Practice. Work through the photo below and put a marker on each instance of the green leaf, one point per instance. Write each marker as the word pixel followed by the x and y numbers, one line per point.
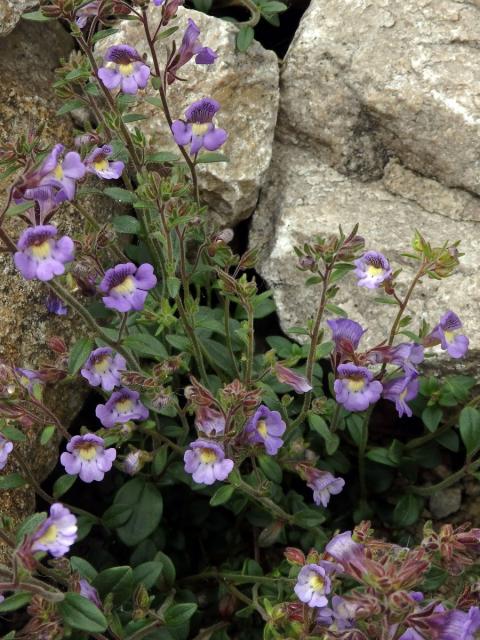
pixel 147 508
pixel 338 311
pixel 17 209
pixel 62 485
pixel 211 156
pixel 222 495
pixel 12 433
pixel 71 105
pixel 318 424
pixel 179 614
pixel 273 6
pixel 309 518
pixel 116 515
pixel 408 510
pixel 382 456
pixel 30 525
pixel 146 345
pixel 181 343
pixel 134 117
pixel 104 33
pixel 36 16
pixel 78 354
pixel 270 468
pixel 47 434
pixel 121 195
pixel 161 157
pixel 173 286
pixel 17 601
pixel 117 581
pixel 79 613
pixel 83 567
pixel 160 461
pixel 12 481
pixel 147 573
pixel 431 417
pixel 245 38
pixel 470 429
pixel 75 74
pixel 126 224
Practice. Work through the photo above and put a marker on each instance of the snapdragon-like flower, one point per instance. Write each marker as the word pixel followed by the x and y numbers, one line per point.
pixel 169 10
pixel 64 172
pixel 89 592
pixel 324 484
pixel 127 286
pixel 265 427
pixel 372 269
pixel 355 388
pixel 350 554
pixel 98 163
pixel 87 457
pixel 407 355
pixel 86 12
pixel 298 383
pixel 455 625
pixel 103 367
pixel 6 448
pixel 447 333
pixel 40 254
pixel 210 421
pixel 198 130
pixel 28 378
pixel 122 406
pixel 55 305
pixel 129 72
pixel 346 335
pixel 57 533
pixel 341 613
pixel 401 390
pixel 189 47
pixel 206 462
pixel 313 585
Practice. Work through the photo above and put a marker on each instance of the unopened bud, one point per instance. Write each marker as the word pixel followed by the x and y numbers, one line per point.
pixel 294 556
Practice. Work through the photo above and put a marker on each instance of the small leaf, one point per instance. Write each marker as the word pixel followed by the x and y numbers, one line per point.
pixel 116 515
pixel 30 525
pixel 71 105
pixel 245 38
pixel 179 614
pixel 79 613
pixel 470 429
pixel 62 485
pixel 17 209
pixel 408 510
pixel 12 481
pixel 47 434
pixel 211 156
pixel 78 354
pixel 147 573
pixel 134 117
pixel 147 507
pixel 222 495
pixel 12 433
pixel 161 157
pixel 122 195
pixel 17 601
pixel 36 16
pixel 146 345
pixel 83 567
pixel 338 311
pixel 117 581
pixel 104 33
pixel 126 224
pixel 270 468
pixel 431 417
pixel 318 424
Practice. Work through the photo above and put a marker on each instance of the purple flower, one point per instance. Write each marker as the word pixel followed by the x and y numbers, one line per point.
pixel 103 368
pixel 372 269
pixel 122 406
pixel 342 612
pixel 28 379
pixel 89 592
pixel 265 427
pixel 64 172
pixel 401 390
pixel 126 286
pixel 55 305
pixel 6 447
pixel 206 462
pixel 411 634
pixel 210 421
pixel 87 11
pixel 189 47
pixel 447 334
pixel 406 355
pixel 348 553
pixel 41 255
pixel 298 383
pixel 313 584
pixel 57 533
pixel 324 485
pixel 199 129
pixel 346 334
pixel 455 624
pixel 97 162
pixel 128 71
pixel 87 457
pixel 355 388
pixel 132 462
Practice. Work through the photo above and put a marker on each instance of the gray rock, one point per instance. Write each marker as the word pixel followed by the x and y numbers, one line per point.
pixel 245 84
pixel 365 79
pixel 304 197
pixel 10 13
pixel 446 502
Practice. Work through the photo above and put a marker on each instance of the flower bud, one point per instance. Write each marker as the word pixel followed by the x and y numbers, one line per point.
pixel 294 556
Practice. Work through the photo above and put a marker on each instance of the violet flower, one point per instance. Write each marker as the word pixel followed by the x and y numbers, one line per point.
pixel 28 378
pixel 198 130
pixel 129 72
pixel 313 584
pixel 57 533
pixel 346 335
pixel 455 625
pixel 55 305
pixel 372 269
pixel 401 390
pixel 265 427
pixel 103 367
pixel 64 172
pixel 89 592
pixel 348 553
pixel 86 12
pixel 188 48
pixel 206 462
pixel 210 421
pixel 40 254
pixel 324 484
pixel 447 334
pixel 122 406
pixel 97 162
pixel 407 355
pixel 341 614
pixel 6 448
pixel 127 286
pixel 355 388
pixel 298 383
pixel 87 457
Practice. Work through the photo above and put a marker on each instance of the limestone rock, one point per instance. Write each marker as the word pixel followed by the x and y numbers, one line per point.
pixel 10 13
pixel 304 198
pixel 245 84
pixel 446 502
pixel 365 79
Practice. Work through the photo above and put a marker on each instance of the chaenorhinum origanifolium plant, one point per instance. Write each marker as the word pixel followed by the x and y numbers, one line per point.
pixel 214 491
